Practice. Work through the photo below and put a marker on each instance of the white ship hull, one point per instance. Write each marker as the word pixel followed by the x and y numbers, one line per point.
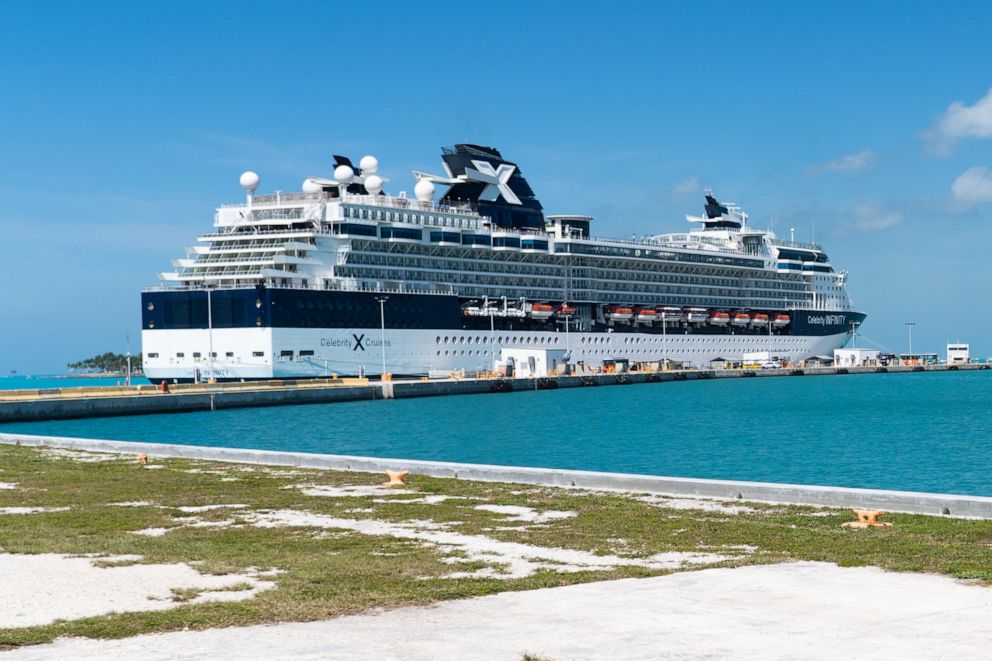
pixel 264 353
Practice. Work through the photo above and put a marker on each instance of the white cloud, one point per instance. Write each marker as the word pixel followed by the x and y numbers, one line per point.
pixel 973 186
pixel 687 186
pixel 959 122
pixel 872 217
pixel 850 163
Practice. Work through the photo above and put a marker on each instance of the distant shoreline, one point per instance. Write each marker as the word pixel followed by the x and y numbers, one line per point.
pixel 87 375
pixel 99 375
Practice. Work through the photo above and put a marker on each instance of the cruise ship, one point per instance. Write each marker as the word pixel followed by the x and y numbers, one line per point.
pixel 343 278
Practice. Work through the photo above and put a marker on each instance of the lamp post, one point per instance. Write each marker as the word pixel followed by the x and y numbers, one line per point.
pixel 492 336
pixel 210 338
pixel 909 327
pixel 127 339
pixel 664 343
pixel 382 332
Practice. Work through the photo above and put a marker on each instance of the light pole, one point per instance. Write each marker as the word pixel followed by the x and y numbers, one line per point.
pixel 382 332
pixel 909 327
pixel 492 336
pixel 127 339
pixel 664 343
pixel 210 338
pixel 567 315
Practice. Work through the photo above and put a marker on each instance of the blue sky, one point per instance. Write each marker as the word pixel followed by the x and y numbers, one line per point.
pixel 122 126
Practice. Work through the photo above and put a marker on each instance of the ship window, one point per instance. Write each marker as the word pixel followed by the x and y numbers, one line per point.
pixel 153 355
pixel 286 353
pixel 229 354
pixel 180 355
pixel 258 354
pixel 196 354
pixel 306 353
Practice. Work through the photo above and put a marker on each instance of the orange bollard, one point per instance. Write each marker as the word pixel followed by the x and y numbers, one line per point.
pixel 866 519
pixel 396 478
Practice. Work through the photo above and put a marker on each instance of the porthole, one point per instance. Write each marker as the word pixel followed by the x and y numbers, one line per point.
pixel 438 339
pixel 150 306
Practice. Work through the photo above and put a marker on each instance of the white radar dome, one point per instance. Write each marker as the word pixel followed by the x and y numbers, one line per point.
pixel 424 190
pixel 343 174
pixel 369 164
pixel 310 186
pixel 373 183
pixel 249 181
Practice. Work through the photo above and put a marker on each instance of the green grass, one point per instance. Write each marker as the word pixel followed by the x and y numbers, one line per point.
pixel 335 572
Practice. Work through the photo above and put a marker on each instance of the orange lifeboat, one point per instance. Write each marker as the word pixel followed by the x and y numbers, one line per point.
pixel 647 314
pixel 781 320
pixel 564 310
pixel 619 313
pixel 760 319
pixel 741 319
pixel 541 311
pixel 720 318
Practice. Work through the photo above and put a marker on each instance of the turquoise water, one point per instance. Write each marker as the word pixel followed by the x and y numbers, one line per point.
pixel 920 432
pixel 37 382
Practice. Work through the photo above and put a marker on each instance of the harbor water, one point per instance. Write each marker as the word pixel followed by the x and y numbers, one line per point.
pixel 916 431
pixel 23 382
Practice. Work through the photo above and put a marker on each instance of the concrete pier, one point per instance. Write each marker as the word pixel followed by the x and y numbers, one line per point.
pixel 65 403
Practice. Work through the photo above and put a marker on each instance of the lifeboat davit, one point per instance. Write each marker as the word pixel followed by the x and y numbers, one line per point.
pixel 672 315
pixel 741 319
pixel 760 319
pixel 541 311
pixel 720 318
pixel 564 310
pixel 781 320
pixel 696 315
pixel 619 313
pixel 647 314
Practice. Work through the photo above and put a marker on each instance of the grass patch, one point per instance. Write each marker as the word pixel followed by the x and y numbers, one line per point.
pixel 327 572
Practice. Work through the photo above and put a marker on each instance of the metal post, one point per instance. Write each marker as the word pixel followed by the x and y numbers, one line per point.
pixel 382 334
pixel 127 339
pixel 492 336
pixel 909 326
pixel 210 338
pixel 567 317
pixel 664 344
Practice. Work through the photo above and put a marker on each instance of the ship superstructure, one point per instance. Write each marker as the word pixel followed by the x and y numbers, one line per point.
pixel 342 278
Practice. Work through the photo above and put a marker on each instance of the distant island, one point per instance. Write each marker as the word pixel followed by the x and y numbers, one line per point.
pixel 114 364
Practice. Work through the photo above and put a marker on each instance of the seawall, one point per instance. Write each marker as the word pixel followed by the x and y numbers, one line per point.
pixel 65 403
pixel 728 490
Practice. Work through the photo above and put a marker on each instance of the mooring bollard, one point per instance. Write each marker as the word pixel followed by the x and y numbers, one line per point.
pixel 396 478
pixel 866 519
